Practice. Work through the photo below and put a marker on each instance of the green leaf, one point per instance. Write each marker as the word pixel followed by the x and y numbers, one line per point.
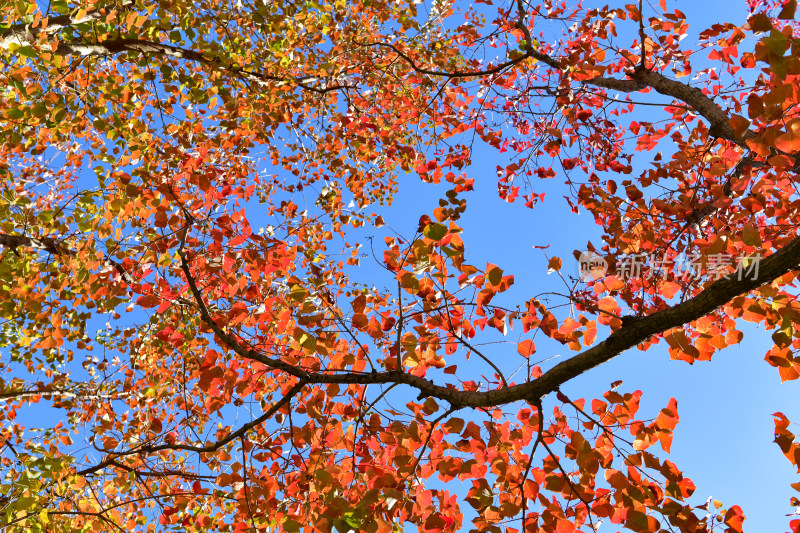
pixel 495 276
pixel 14 113
pixel 298 293
pixel 291 526
pixel 782 338
pixel 341 526
pixel 776 42
pixel 39 110
pixel 27 51
pixel 409 282
pixel 435 231
pixel 751 236
pixel 451 252
pixel 59 113
pixel 324 476
pixel 639 521
pixel 352 519
pixel 60 6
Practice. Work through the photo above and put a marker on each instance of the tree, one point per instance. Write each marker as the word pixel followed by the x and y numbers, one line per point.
pixel 187 188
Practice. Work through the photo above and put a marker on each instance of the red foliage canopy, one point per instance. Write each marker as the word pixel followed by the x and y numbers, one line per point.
pixel 185 189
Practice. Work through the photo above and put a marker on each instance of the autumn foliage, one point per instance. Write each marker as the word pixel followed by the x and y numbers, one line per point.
pixel 191 193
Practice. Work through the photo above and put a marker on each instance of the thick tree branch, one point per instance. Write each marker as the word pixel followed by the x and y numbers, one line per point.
pixel 115 46
pixel 226 339
pixel 633 333
pixel 455 74
pixel 530 52
pixel 10 396
pixel 639 78
pixel 630 335
pixel 46 244
pixel 242 431
pixel 23 36
pixel 52 246
pixel 694 97
pixel 160 474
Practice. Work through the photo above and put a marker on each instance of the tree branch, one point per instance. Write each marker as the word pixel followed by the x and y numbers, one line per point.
pixel 694 97
pixel 242 431
pixel 46 244
pixel 53 246
pixel 713 296
pixel 640 78
pixel 22 35
pixel 631 334
pixel 10 396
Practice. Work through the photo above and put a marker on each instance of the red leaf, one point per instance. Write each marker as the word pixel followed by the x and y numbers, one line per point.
pixel 360 321
pixel 734 518
pixel 526 348
pixel 148 300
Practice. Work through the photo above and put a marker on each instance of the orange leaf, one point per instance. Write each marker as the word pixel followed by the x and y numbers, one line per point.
pixel 360 321
pixel 526 348
pixel 669 289
pixel 739 124
pixel 788 142
pixel 553 265
pixel 734 518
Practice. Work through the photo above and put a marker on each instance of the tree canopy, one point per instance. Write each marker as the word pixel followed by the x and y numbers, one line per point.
pixel 191 193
